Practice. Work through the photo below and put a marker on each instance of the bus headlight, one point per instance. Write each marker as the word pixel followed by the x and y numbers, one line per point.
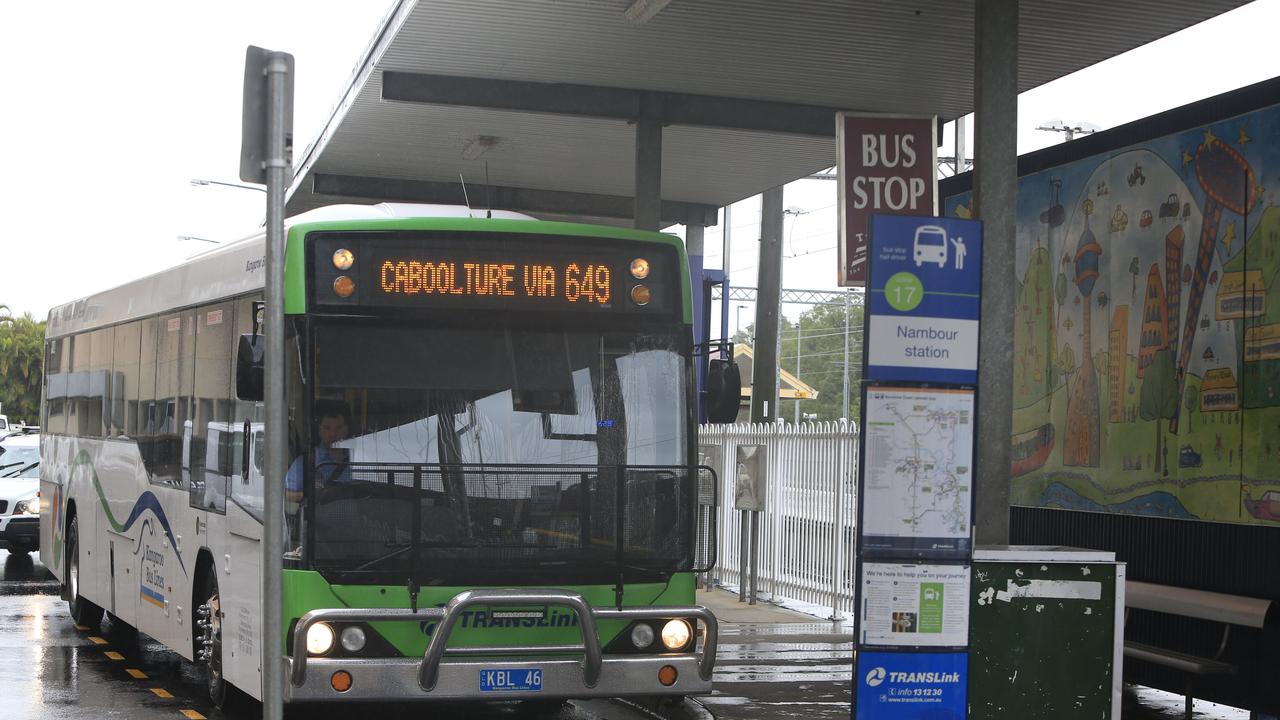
pixel 319 639
pixel 642 636
pixel 27 507
pixel 343 259
pixel 352 639
pixel 639 268
pixel 676 634
pixel 641 295
pixel 344 286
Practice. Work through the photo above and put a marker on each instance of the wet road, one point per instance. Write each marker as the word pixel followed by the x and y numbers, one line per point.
pixel 51 669
pixel 783 670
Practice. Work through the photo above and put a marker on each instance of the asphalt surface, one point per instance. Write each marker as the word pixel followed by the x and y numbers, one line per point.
pixel 51 669
pixel 772 664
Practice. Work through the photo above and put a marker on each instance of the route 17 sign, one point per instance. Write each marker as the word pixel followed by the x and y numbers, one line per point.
pixel 923 299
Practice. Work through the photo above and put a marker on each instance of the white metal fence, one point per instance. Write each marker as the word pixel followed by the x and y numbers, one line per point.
pixel 806 547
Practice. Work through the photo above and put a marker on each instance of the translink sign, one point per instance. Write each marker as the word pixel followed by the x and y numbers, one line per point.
pixel 923 299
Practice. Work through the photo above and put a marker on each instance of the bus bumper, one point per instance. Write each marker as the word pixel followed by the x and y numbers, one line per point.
pixel 569 671
pixel 397 679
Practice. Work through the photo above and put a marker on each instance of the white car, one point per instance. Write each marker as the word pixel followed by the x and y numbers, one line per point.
pixel 19 493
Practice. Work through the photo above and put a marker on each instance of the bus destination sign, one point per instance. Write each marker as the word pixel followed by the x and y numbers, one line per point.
pixel 578 282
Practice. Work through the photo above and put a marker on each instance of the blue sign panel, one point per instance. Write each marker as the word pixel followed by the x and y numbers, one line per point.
pixel 911 686
pixel 923 299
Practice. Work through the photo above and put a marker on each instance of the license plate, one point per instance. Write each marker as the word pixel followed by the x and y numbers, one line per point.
pixel 522 680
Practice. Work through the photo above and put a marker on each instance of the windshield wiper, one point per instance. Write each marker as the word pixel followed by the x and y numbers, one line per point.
pixel 19 471
pixel 2 467
pixel 400 549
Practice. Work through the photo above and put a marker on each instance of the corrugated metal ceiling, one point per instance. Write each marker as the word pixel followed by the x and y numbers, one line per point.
pixel 900 57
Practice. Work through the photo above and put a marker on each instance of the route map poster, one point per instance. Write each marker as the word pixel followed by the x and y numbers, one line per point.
pixel 917 494
pixel 914 605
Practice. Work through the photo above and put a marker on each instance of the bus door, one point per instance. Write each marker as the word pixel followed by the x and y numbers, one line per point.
pixel 240 590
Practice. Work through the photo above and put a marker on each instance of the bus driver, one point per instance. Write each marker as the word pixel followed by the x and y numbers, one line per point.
pixel 333 464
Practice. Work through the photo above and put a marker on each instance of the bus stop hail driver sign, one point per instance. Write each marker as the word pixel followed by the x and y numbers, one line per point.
pixel 886 165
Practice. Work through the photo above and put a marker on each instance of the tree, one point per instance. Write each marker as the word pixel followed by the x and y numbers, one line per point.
pixel 1066 362
pixel 821 350
pixel 1190 401
pixel 1134 270
pixel 1159 398
pixel 21 366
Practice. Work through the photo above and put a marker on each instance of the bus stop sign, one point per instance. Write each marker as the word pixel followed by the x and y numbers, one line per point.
pixel 253 120
pixel 923 299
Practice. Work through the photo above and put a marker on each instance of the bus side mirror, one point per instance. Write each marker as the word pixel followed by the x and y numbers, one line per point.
pixel 724 391
pixel 249 366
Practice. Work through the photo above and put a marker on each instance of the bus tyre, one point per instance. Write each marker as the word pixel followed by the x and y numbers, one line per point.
pixel 83 612
pixel 208 648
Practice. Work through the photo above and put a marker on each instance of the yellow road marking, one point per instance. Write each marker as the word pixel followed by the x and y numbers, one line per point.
pixel 136 673
pixel 81 628
pixel 97 640
pixel 193 715
pixel 114 655
pixel 161 692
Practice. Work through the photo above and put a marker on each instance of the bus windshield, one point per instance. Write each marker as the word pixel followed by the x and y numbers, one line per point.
pixel 500 449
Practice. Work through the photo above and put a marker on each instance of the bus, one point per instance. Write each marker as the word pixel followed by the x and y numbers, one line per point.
pixel 513 511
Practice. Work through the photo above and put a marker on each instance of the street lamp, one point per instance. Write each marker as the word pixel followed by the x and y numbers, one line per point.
pixel 199 181
pixel 192 237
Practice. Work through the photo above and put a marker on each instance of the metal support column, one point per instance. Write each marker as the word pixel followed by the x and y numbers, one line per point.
pixel 995 187
pixel 726 254
pixel 693 247
pixel 648 175
pixel 844 384
pixel 277 166
pixel 764 372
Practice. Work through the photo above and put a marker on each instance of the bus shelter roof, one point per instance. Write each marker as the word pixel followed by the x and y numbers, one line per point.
pixel 534 102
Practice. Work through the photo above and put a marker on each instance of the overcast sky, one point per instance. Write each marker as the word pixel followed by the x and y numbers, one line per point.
pixel 114 107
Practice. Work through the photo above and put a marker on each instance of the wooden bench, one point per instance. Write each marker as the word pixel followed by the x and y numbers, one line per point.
pixel 1230 610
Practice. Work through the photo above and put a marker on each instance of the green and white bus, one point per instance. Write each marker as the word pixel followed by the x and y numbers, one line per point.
pixel 493 488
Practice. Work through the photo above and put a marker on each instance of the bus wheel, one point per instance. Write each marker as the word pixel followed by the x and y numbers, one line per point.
pixel 209 649
pixel 83 612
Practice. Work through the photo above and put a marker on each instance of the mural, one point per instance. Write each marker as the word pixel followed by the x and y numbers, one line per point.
pixel 1147 328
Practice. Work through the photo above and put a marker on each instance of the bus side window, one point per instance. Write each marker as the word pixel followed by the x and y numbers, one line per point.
pixel 209 454
pixel 78 386
pixel 121 416
pixel 166 448
pixel 146 419
pixel 57 365
pixel 98 393
pixel 246 487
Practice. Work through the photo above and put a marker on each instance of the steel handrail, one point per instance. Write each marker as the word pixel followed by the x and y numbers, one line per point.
pixel 593 655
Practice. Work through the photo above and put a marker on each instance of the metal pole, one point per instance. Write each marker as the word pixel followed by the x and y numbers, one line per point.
pixel 838 536
pixel 725 265
pixel 799 320
pixel 995 187
pixel 960 142
pixel 273 491
pixel 648 182
pixel 755 554
pixel 845 385
pixel 764 372
pixel 744 551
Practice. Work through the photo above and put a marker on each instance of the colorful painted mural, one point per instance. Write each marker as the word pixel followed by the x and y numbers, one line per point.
pixel 1147 327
